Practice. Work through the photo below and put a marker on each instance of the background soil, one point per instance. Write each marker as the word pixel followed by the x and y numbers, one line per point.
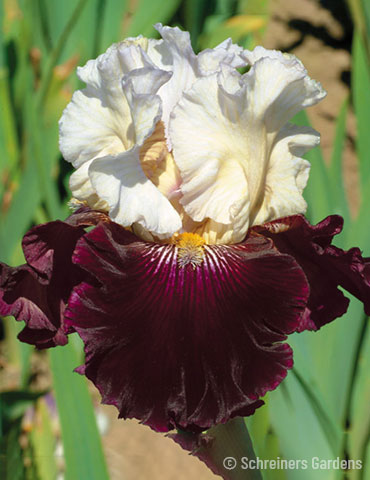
pixel 320 34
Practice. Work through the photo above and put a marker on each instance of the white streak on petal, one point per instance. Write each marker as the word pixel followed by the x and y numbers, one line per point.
pixel 132 198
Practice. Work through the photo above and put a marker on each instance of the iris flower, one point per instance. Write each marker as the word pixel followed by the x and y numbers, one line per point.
pixel 199 262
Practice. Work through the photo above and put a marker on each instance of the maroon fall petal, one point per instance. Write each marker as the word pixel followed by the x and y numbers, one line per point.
pixel 325 266
pixel 178 346
pixel 37 292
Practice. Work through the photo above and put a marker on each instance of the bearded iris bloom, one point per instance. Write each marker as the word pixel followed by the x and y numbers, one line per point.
pixel 200 261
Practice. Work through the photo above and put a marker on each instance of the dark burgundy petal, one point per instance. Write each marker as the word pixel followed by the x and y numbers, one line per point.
pixel 181 346
pixel 325 266
pixel 37 292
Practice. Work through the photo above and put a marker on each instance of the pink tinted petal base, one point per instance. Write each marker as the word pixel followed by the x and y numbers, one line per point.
pixel 326 267
pixel 184 347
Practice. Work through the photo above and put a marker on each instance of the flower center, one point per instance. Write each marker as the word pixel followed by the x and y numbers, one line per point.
pixel 190 249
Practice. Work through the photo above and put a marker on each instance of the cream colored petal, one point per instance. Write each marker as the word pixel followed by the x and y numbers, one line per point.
pixel 279 87
pixel 132 198
pixel 209 147
pixel 139 87
pixel 87 129
pixel 174 53
pixel 83 190
pixel 287 174
pixel 98 120
pixel 225 53
pixel 235 168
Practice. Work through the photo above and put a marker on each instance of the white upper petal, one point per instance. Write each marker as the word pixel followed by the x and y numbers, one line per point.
pixel 105 125
pixel 237 158
pixel 225 53
pixel 176 54
pixel 280 86
pixel 287 174
pixel 97 120
pixel 209 148
pixel 132 198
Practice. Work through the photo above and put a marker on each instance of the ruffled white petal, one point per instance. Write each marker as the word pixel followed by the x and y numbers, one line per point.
pixel 132 198
pixel 236 156
pixel 96 122
pixel 280 86
pixel 175 53
pixel 226 53
pixel 167 140
pixel 287 174
pixel 211 148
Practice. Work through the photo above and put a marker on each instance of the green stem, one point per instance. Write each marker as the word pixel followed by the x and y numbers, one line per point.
pixel 226 449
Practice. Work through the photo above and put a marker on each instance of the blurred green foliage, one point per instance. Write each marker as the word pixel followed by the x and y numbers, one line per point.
pixel 322 408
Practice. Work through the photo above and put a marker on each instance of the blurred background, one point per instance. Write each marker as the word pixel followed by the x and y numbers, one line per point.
pixel 51 423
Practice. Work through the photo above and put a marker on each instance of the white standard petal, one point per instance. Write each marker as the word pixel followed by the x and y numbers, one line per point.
pixel 97 122
pixel 236 169
pixel 174 53
pixel 82 189
pixel 287 174
pixel 280 86
pixel 132 198
pixel 120 180
pixel 225 53
pixel 211 149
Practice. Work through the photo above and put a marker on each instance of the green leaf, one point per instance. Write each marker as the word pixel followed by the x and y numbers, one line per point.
pixel 43 443
pixel 319 201
pixel 359 426
pixel 299 431
pixel 11 458
pixel 338 194
pixel 9 151
pixel 195 13
pixel 146 14
pixel 81 440
pixel 361 99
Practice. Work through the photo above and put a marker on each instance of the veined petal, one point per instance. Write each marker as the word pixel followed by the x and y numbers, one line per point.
pixel 177 346
pixel 326 266
pixel 38 292
pixel 131 196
